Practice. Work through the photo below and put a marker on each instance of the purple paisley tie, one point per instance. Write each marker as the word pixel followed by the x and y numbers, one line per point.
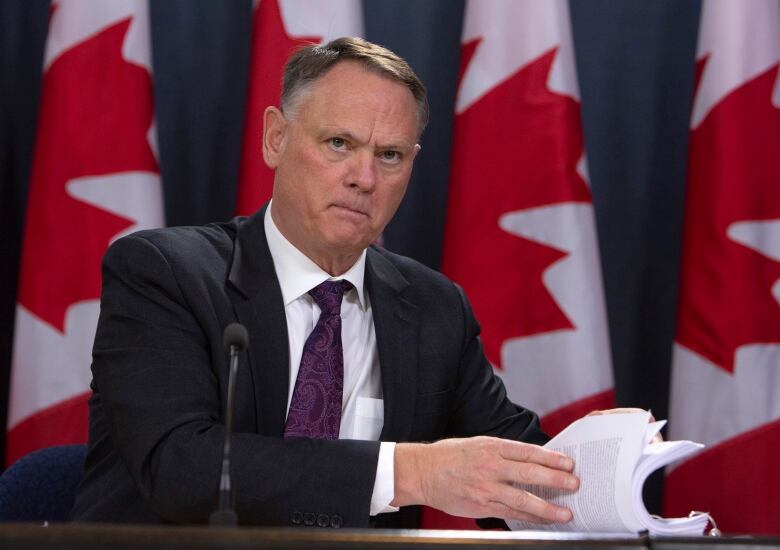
pixel 315 408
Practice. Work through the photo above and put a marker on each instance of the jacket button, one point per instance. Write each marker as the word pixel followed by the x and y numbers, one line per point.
pixel 323 520
pixel 336 521
pixel 308 519
pixel 296 518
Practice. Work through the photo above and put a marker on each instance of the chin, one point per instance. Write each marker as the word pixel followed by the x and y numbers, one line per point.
pixel 351 244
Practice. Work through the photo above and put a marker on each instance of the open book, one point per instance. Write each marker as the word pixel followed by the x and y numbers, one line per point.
pixel 613 457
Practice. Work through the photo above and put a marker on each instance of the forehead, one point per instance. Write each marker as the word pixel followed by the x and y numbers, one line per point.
pixel 350 93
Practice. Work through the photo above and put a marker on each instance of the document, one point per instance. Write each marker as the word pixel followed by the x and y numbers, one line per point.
pixel 613 456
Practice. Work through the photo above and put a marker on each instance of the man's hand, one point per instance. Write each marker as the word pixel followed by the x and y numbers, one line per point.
pixel 474 478
pixel 619 410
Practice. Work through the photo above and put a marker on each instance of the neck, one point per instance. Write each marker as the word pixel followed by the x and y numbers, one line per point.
pixel 333 266
pixel 333 263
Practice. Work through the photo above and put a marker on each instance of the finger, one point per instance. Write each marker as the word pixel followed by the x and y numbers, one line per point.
pixel 506 513
pixel 528 473
pixel 619 410
pixel 524 452
pixel 525 502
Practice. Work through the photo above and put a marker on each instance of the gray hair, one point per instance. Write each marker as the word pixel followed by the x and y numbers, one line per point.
pixel 310 63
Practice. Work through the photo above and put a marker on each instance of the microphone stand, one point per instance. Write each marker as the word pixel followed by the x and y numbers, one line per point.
pixel 225 515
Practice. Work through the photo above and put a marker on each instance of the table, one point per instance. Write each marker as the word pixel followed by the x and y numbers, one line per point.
pixel 24 536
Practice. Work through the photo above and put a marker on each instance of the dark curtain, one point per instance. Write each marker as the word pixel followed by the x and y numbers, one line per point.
pixel 23 26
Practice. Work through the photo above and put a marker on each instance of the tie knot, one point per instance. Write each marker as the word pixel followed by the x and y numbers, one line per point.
pixel 328 295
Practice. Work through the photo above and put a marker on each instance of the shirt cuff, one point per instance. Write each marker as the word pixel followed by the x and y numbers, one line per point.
pixel 384 483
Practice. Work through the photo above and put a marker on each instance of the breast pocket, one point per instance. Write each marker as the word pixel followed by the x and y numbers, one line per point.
pixel 369 418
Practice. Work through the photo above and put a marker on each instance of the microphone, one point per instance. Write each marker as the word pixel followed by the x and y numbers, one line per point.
pixel 235 339
pixel 235 335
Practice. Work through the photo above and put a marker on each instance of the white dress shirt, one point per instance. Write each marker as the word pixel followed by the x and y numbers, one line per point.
pixel 362 408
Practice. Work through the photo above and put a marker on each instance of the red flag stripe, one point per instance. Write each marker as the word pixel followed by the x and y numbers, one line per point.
pixel 727 349
pixel 61 424
pixel 94 177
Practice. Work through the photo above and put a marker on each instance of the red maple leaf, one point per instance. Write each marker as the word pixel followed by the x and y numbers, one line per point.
pixel 96 110
pixel 271 46
pixel 515 148
pixel 734 174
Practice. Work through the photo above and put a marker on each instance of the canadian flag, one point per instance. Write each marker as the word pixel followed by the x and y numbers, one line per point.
pixel 94 178
pixel 520 234
pixel 278 28
pixel 726 363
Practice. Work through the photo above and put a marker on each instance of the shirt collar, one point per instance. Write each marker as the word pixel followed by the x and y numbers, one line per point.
pixel 297 274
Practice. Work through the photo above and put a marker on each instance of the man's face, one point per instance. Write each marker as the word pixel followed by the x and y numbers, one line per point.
pixel 343 158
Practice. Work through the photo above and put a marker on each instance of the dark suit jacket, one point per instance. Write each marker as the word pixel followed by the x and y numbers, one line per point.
pixel 160 377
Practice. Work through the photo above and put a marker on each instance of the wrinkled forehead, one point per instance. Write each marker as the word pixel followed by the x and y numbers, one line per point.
pixel 350 88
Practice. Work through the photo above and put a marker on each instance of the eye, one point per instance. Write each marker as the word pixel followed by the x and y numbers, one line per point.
pixel 392 157
pixel 337 143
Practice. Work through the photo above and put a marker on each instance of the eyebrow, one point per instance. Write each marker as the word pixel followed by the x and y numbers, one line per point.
pixel 335 131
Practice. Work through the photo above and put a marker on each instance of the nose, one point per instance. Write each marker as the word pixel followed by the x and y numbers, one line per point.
pixel 362 174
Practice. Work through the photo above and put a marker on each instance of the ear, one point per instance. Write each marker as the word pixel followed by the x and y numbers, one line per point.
pixel 274 129
pixel 416 150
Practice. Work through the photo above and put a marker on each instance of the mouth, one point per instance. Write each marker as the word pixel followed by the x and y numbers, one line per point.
pixel 349 211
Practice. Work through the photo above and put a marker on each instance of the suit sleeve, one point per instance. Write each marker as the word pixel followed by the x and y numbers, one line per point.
pixel 154 371
pixel 482 406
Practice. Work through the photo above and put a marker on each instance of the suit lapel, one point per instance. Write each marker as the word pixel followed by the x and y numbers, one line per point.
pixel 261 309
pixel 396 323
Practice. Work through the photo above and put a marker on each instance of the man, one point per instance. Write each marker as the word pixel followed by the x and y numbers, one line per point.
pixel 325 377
